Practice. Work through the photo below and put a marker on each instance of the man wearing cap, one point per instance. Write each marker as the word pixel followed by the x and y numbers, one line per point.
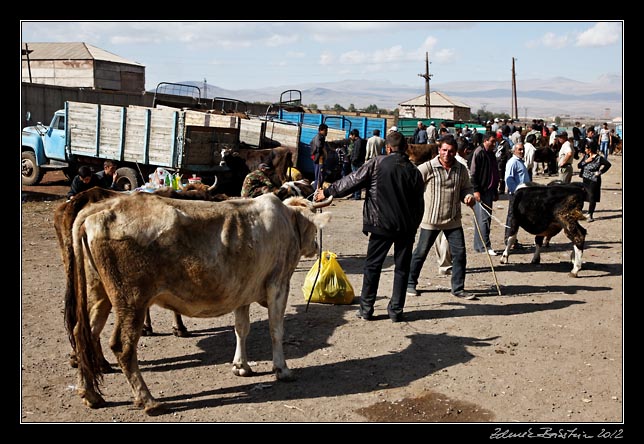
pixel 259 182
pixel 564 161
pixel 431 132
pixel 319 151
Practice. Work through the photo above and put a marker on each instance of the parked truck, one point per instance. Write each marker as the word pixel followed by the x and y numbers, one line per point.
pixel 139 139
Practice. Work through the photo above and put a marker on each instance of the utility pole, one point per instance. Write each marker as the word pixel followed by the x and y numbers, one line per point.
pixel 514 109
pixel 427 76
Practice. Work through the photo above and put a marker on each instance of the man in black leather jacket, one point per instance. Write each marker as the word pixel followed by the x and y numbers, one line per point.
pixel 392 212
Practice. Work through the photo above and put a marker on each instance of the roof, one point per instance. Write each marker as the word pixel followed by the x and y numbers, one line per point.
pixel 436 98
pixel 72 51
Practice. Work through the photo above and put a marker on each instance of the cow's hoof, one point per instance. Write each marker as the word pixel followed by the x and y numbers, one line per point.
pixel 93 400
pixel 285 375
pixel 146 331
pixel 155 408
pixel 504 259
pixel 106 367
pixel 242 371
pixel 180 332
pixel 73 362
pixel 535 261
pixel 572 274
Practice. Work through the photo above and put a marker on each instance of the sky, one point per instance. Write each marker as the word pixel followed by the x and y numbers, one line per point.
pixel 258 54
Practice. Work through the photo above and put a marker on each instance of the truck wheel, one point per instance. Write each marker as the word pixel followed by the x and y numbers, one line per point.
pixel 31 173
pixel 126 179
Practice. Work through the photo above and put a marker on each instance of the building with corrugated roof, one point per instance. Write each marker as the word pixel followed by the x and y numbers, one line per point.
pixel 81 65
pixel 442 107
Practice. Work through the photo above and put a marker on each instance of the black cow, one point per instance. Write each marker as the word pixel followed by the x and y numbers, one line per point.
pixel 546 210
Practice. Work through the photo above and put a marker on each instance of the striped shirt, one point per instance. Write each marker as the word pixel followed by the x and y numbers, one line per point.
pixel 444 192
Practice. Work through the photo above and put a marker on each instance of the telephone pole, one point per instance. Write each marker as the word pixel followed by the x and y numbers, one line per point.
pixel 427 76
pixel 514 111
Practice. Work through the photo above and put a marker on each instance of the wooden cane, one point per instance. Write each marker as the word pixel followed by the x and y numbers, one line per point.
pixel 476 222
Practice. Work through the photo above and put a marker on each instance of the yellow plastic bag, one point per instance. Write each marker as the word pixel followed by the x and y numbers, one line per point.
pixel 332 285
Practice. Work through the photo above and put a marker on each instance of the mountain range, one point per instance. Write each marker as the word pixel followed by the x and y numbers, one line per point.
pixel 544 98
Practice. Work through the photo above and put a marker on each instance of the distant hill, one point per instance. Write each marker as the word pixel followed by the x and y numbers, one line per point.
pixel 557 96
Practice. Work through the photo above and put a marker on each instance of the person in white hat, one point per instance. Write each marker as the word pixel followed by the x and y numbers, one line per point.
pixel 392 129
pixel 495 125
pixel 431 132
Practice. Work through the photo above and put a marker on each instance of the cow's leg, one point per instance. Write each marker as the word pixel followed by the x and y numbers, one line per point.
pixel 506 253
pixel 577 234
pixel 179 329
pixel 538 242
pixel 147 324
pixel 277 296
pixel 124 340
pixel 242 327
pixel 99 307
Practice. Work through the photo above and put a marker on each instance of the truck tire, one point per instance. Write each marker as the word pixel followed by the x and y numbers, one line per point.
pixel 31 173
pixel 126 179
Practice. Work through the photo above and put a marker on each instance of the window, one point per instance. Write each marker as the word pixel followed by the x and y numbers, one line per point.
pixel 59 123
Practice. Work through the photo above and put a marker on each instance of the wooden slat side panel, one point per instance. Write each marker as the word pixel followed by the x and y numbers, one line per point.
pixel 197 118
pixel 161 139
pixel 135 134
pixel 110 131
pixel 82 128
pixel 250 131
pixel 285 134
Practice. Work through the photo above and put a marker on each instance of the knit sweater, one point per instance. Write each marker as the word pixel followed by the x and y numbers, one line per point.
pixel 444 192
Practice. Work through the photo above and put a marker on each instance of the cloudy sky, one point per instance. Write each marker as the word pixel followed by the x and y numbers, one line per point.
pixel 247 55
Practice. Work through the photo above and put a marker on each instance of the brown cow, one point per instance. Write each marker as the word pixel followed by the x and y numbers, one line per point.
pixel 120 244
pixel 421 153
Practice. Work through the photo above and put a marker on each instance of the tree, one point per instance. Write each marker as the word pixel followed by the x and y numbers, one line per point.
pixel 371 109
pixel 312 106
pixel 352 108
pixel 338 107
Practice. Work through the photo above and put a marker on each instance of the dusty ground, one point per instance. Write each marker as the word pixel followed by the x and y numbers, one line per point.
pixel 548 350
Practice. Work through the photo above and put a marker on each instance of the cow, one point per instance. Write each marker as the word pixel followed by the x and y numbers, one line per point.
pixel 132 251
pixel 421 153
pixel 244 160
pixel 545 210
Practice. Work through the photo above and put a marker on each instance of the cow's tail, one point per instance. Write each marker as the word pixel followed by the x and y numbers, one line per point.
pixel 87 354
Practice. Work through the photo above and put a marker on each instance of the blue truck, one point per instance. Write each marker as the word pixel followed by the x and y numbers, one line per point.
pixel 138 138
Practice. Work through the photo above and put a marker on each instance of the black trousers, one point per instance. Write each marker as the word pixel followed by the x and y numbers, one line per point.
pixel 376 253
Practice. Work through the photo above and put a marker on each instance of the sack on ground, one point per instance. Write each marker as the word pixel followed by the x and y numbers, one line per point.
pixel 332 285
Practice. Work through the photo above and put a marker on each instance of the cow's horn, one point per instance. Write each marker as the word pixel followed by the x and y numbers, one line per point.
pixel 325 203
pixel 214 185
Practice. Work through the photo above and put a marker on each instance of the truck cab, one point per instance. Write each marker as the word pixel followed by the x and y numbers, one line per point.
pixel 43 147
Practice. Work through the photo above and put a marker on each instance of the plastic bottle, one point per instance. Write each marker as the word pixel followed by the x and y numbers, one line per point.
pixel 167 180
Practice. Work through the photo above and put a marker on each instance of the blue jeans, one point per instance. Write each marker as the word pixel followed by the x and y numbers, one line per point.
pixel 376 253
pixel 456 241
pixel 484 221
pixel 318 170
pixel 603 146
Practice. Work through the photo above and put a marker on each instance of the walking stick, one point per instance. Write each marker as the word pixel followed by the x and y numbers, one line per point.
pixel 476 222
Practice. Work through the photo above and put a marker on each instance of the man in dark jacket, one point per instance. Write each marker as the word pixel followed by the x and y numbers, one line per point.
pixel 83 181
pixel 484 176
pixel 357 153
pixel 319 153
pixel 392 212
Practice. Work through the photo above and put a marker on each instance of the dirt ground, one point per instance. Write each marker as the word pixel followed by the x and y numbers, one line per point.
pixel 548 350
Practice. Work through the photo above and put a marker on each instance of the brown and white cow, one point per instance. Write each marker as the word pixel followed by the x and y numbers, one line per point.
pixel 189 256
pixel 546 210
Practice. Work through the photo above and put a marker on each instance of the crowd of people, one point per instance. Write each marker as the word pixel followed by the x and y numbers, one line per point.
pixel 400 197
pixel 472 169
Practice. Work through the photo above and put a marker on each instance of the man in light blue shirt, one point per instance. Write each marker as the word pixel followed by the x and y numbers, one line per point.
pixel 516 173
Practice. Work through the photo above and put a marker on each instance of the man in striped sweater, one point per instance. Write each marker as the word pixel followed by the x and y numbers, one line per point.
pixel 447 184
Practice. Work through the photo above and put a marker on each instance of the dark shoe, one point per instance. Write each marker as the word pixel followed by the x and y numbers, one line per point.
pixel 397 318
pixel 412 292
pixel 359 315
pixel 465 295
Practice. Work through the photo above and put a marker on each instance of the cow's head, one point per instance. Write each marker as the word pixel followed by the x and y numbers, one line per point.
pixel 308 222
